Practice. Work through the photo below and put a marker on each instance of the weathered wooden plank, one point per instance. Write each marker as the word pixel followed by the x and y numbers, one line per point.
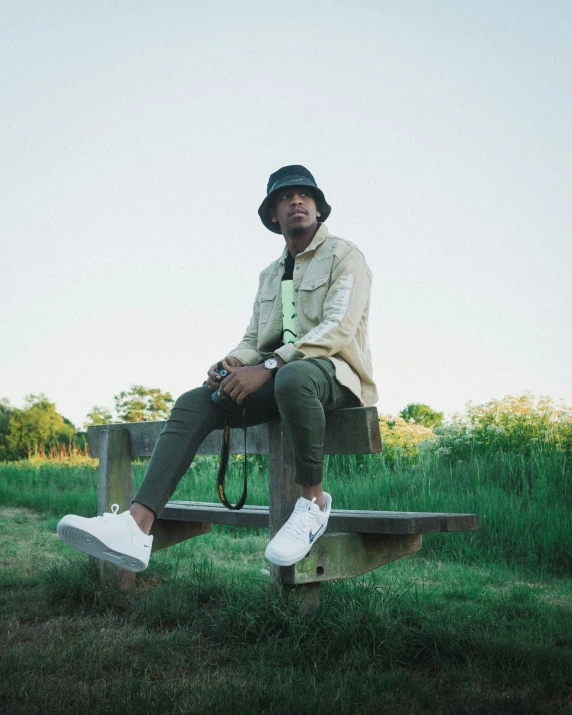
pixel 349 431
pixel 354 430
pixel 115 473
pixel 115 487
pixel 307 596
pixel 283 491
pixel 169 533
pixel 337 556
pixel 144 436
pixel 342 520
pixel 282 488
pixel 216 513
pixel 400 522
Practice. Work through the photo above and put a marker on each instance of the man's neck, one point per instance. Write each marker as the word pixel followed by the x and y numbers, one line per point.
pixel 298 242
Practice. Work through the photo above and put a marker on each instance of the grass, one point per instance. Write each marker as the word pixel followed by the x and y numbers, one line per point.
pixel 474 623
pixel 418 636
pixel 523 503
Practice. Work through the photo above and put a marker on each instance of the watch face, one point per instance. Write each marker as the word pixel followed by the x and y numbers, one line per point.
pixel 271 363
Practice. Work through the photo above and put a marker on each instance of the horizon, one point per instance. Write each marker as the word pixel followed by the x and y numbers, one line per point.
pixel 447 417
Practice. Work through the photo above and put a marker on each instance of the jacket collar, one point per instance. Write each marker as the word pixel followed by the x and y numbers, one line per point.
pixel 319 237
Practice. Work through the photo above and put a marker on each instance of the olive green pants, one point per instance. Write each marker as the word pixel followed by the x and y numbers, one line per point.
pixel 301 393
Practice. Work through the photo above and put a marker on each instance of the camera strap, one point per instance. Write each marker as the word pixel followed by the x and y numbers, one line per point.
pixel 224 452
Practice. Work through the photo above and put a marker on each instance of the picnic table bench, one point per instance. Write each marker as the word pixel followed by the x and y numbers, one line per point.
pixel 355 542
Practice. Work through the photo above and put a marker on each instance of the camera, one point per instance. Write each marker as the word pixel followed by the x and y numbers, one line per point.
pixel 221 401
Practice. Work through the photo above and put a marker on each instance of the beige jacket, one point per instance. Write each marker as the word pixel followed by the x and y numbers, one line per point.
pixel 332 285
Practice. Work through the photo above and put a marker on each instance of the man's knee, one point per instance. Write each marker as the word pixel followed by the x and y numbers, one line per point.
pixel 191 411
pixel 189 408
pixel 192 398
pixel 297 378
pixel 286 378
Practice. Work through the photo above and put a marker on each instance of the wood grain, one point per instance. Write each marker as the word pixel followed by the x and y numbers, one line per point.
pixel 346 520
pixel 349 431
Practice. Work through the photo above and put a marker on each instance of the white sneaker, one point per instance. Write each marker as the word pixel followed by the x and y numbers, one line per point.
pixel 295 539
pixel 113 537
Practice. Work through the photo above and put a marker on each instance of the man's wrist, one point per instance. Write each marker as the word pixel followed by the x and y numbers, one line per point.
pixel 272 366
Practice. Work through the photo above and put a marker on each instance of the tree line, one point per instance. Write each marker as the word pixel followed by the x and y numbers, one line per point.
pixel 38 428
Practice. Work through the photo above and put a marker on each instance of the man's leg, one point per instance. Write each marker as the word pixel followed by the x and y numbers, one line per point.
pixel 305 391
pixel 193 417
pixel 123 539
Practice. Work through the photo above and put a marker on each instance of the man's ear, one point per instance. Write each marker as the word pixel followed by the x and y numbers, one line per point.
pixel 318 214
pixel 274 217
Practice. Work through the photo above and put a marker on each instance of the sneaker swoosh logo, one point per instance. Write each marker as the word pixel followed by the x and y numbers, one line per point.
pixel 313 536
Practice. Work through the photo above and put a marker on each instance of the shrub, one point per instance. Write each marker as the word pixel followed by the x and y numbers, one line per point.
pixel 515 423
pixel 402 440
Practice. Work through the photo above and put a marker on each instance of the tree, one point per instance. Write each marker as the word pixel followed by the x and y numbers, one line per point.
pixel 422 415
pixel 142 404
pixel 5 409
pixel 35 427
pixel 98 416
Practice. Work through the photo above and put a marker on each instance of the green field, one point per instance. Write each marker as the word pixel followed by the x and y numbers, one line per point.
pixel 475 623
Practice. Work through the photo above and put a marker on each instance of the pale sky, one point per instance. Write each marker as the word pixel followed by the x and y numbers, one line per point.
pixel 137 139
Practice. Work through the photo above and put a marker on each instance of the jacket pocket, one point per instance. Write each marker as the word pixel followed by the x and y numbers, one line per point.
pixel 313 291
pixel 266 300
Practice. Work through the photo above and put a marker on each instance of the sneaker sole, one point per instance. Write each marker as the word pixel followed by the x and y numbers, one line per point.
pixel 88 543
pixel 282 562
pixel 277 561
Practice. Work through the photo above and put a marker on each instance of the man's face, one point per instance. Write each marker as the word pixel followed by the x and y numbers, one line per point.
pixel 295 209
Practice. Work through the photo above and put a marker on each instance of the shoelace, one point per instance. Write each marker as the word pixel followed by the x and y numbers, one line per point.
pixel 114 511
pixel 298 526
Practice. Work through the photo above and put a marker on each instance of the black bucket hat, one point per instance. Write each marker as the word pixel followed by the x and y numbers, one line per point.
pixel 294 175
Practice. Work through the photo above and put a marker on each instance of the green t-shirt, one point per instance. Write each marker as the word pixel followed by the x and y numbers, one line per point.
pixel 288 302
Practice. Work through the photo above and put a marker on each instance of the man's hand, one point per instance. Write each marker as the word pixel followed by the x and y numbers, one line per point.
pixel 243 381
pixel 213 379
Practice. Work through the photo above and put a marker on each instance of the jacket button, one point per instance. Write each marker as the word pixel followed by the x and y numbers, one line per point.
pixel 297 268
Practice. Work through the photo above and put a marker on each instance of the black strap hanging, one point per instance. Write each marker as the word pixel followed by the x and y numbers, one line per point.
pixel 224 452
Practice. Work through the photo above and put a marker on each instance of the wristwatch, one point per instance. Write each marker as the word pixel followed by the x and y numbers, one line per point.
pixel 272 365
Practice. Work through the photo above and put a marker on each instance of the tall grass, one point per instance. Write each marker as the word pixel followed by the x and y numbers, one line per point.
pixel 523 501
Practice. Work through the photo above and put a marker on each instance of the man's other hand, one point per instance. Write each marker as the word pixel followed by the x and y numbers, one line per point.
pixel 243 381
pixel 213 379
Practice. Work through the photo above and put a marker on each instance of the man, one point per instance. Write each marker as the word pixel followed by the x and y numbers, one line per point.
pixel 304 353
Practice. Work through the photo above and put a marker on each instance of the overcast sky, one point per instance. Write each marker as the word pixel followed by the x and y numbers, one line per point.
pixel 136 143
